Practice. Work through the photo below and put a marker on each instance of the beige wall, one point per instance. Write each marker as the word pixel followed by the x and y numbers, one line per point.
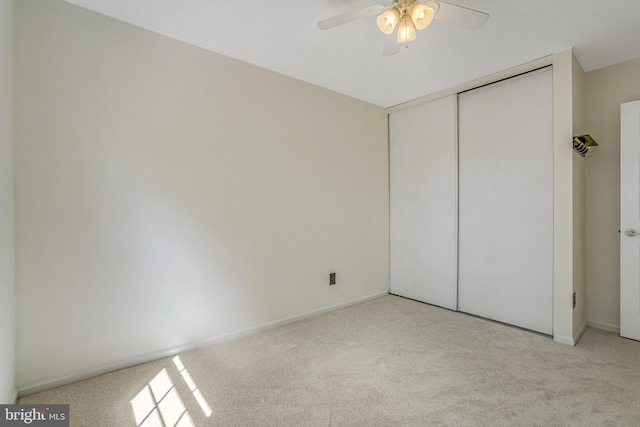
pixel 166 194
pixel 606 89
pixel 7 276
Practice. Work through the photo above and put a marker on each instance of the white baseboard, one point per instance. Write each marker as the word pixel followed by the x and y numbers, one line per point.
pixel 604 326
pixel 577 337
pixel 150 357
pixel 564 340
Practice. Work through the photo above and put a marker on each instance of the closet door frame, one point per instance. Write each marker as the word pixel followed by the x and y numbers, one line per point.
pixel 564 66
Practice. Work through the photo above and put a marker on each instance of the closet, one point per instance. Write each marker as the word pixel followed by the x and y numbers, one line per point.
pixel 472 201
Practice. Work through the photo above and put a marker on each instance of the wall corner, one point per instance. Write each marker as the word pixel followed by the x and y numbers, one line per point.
pixel 563 197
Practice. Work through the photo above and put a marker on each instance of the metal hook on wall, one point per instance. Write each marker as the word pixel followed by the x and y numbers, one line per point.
pixel 582 143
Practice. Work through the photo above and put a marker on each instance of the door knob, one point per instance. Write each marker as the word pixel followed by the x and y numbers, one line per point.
pixel 630 232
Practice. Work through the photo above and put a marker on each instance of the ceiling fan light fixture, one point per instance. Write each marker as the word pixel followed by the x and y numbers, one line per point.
pixel 421 15
pixel 388 20
pixel 406 30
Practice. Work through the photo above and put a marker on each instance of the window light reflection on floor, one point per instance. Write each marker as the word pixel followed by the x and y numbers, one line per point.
pixel 159 405
pixel 192 386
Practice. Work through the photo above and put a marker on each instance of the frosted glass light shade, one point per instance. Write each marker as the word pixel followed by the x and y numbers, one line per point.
pixel 406 31
pixel 421 15
pixel 388 20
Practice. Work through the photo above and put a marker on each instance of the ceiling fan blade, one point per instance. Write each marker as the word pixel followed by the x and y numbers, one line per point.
pixel 344 18
pixel 458 15
pixel 391 45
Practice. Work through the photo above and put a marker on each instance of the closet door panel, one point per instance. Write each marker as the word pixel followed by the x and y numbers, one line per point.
pixel 505 268
pixel 423 173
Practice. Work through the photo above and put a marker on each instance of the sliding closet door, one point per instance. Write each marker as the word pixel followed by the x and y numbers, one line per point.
pixel 423 170
pixel 506 201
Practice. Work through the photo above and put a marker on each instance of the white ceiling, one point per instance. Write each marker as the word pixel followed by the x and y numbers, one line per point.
pixel 281 35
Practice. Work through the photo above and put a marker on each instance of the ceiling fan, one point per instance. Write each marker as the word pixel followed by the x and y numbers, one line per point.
pixel 406 16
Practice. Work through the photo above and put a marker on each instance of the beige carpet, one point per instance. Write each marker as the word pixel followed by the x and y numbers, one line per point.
pixel 386 362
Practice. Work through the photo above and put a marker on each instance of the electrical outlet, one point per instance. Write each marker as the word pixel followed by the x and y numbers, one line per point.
pixel 574 300
pixel 332 278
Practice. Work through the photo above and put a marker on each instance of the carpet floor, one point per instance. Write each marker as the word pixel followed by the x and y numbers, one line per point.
pixel 384 362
